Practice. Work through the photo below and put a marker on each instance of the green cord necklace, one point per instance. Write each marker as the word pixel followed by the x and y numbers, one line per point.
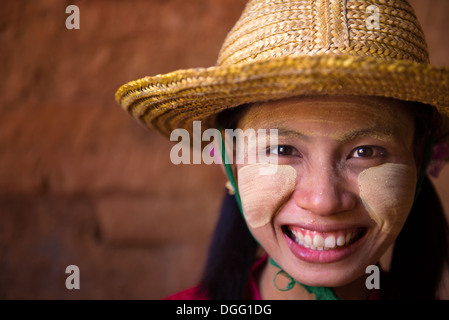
pixel 320 293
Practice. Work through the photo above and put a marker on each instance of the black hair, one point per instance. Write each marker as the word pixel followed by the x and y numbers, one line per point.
pixel 416 268
pixel 231 255
pixel 421 252
pixel 233 249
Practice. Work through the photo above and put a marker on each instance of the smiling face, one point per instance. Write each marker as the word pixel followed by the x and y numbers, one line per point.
pixel 342 189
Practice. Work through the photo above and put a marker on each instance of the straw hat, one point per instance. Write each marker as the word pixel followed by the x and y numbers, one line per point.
pixel 280 49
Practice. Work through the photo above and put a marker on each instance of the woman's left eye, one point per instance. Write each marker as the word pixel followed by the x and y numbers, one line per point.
pixel 367 152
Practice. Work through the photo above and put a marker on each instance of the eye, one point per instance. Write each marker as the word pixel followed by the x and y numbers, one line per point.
pixel 283 150
pixel 367 152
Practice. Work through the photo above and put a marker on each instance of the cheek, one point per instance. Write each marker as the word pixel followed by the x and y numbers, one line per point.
pixel 387 192
pixel 263 195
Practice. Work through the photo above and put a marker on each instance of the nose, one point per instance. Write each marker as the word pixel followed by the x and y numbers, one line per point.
pixel 323 191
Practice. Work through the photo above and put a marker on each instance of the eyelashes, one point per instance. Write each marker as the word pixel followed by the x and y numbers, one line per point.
pixel 283 150
pixel 360 152
pixel 367 152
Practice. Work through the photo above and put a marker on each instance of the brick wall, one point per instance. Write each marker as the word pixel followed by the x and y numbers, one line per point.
pixel 80 181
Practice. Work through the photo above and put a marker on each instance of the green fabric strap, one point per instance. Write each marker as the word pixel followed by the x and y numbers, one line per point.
pixel 320 293
pixel 229 173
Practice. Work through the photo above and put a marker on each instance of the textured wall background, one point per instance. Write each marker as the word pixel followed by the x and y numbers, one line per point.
pixel 80 182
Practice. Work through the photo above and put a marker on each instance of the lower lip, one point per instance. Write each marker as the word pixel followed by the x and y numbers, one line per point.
pixel 323 256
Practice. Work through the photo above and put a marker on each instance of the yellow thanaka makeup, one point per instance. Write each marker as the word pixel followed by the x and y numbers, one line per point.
pixel 263 195
pixel 387 192
pixel 384 122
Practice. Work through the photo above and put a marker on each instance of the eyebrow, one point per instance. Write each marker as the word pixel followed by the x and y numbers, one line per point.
pixel 375 132
pixel 287 133
pixel 382 134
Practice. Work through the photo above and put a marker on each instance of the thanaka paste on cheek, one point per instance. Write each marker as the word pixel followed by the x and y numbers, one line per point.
pixel 387 192
pixel 263 195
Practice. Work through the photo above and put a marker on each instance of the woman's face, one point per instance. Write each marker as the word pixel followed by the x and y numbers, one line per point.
pixel 340 190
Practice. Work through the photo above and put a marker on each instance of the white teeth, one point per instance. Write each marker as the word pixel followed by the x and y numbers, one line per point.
pixel 316 241
pixel 308 240
pixel 329 242
pixel 341 240
pixel 299 237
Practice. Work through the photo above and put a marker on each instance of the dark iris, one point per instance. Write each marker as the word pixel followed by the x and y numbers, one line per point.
pixel 364 152
pixel 282 150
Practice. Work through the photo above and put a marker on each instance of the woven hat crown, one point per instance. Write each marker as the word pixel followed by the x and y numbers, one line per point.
pixel 285 48
pixel 268 29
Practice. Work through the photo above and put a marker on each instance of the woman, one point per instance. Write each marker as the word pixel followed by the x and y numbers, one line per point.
pixel 358 115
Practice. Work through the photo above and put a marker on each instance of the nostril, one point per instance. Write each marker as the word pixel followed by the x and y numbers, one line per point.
pixel 324 201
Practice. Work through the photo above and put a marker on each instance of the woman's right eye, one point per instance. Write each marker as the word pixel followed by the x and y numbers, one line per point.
pixel 283 150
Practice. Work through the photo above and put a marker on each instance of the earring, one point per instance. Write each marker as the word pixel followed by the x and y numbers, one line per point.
pixel 230 188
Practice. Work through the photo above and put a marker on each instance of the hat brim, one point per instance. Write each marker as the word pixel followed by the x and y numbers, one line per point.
pixel 175 100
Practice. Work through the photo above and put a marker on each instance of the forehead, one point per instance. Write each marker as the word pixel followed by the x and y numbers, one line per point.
pixel 330 113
